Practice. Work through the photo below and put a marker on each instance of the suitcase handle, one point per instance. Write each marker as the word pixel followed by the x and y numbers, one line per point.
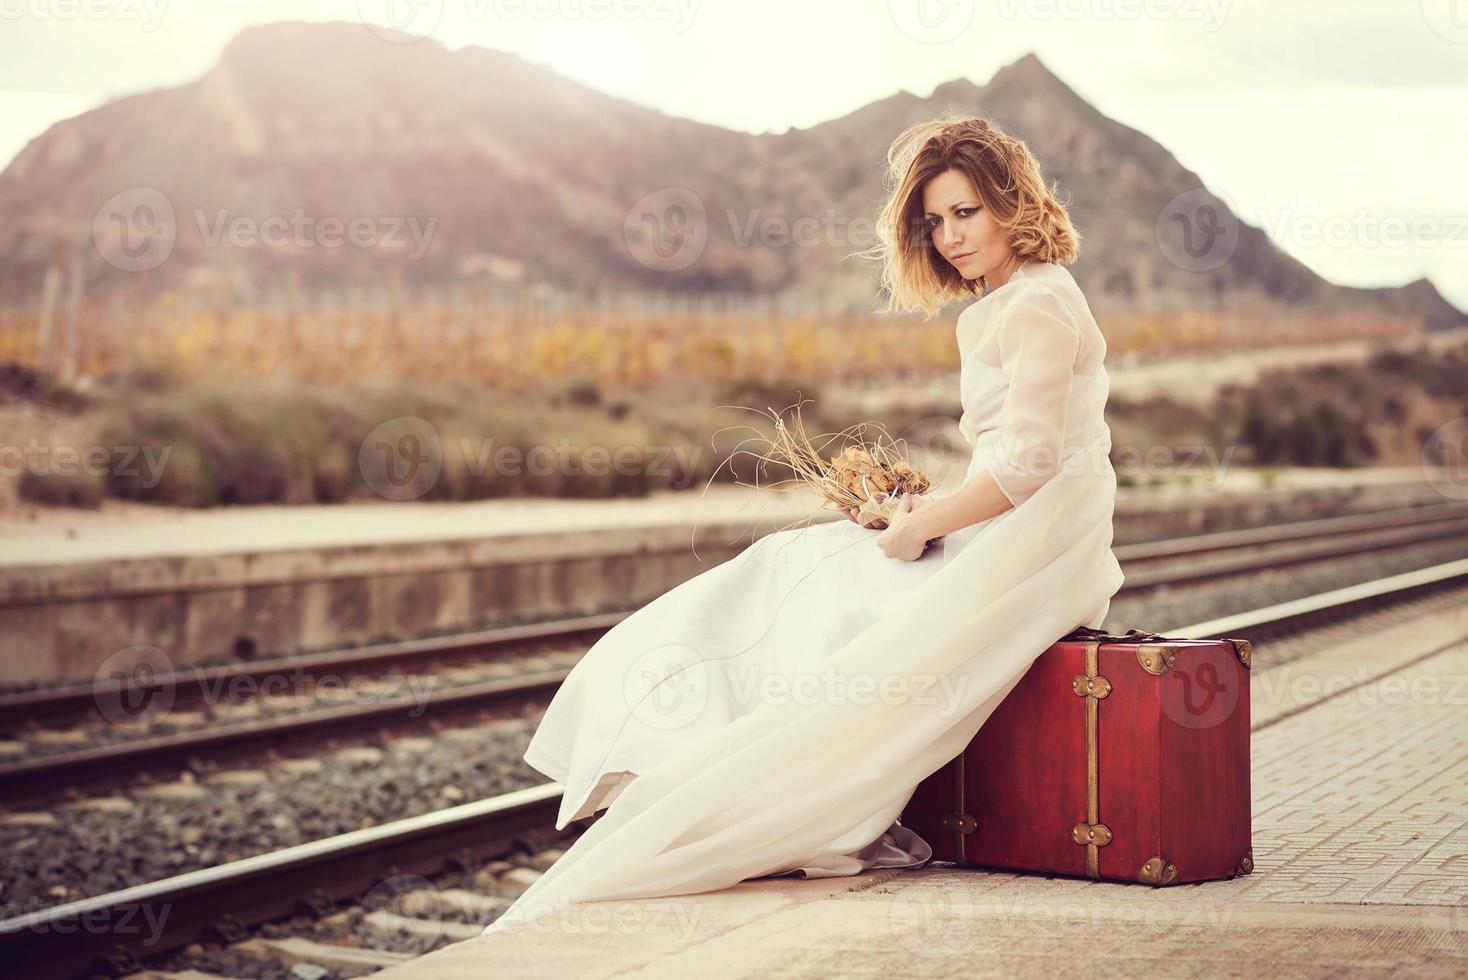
pixel 1132 636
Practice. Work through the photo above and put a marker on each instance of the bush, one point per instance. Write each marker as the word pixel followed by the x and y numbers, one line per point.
pixel 20 383
pixel 81 490
pixel 1348 414
pixel 781 394
pixel 1319 434
pixel 229 443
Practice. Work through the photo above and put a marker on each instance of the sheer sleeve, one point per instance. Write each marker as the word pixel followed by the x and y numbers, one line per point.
pixel 1038 344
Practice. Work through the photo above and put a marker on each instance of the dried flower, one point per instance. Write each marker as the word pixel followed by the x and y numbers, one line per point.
pixel 870 475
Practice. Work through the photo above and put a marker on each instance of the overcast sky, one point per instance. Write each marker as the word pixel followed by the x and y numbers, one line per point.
pixel 1335 125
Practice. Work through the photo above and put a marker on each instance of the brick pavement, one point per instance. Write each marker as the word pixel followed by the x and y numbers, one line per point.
pixel 1360 849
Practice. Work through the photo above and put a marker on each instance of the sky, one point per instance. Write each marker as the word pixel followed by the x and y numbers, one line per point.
pixel 1334 125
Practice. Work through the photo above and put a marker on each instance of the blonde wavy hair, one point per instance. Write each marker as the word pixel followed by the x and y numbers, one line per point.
pixel 1006 175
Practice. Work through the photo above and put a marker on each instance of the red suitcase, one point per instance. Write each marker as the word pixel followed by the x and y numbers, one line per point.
pixel 1115 757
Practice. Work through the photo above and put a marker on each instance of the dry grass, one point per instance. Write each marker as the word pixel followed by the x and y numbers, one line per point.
pixel 518 342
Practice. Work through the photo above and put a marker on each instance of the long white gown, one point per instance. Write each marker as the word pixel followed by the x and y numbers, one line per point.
pixel 774 714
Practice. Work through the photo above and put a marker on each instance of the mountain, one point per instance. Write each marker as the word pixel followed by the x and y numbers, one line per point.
pixel 476 162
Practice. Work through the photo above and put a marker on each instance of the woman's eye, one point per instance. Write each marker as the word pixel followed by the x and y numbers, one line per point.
pixel 965 212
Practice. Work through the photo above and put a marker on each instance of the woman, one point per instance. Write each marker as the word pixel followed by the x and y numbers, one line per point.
pixel 774 714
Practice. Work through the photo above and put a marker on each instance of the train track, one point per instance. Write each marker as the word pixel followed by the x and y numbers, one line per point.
pixel 222 902
pixel 50 775
pixel 33 707
pixel 219 904
pixel 1214 556
pixel 1423 523
pixel 96 770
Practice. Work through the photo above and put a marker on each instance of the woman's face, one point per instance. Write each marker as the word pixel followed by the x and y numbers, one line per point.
pixel 960 226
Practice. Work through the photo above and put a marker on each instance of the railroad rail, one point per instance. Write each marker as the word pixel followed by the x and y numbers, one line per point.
pixel 98 768
pixel 221 902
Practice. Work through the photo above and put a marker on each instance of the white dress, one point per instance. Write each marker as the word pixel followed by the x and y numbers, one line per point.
pixel 774 714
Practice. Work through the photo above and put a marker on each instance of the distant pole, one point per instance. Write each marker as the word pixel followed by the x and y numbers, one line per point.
pixel 70 347
pixel 395 344
pixel 777 337
pixel 45 355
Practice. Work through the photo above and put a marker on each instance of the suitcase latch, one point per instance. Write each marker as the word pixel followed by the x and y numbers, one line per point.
pixel 963 823
pixel 1091 833
pixel 1095 687
pixel 1156 660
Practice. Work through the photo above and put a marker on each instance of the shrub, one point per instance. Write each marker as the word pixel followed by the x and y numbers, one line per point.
pixel 82 490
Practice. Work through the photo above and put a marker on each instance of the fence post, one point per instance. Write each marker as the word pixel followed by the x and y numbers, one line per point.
pixel 50 286
pixel 69 347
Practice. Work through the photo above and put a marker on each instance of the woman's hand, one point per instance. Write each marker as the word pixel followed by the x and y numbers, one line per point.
pixel 851 513
pixel 902 539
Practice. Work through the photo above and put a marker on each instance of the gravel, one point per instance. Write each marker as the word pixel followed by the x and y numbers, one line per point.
pixel 94 846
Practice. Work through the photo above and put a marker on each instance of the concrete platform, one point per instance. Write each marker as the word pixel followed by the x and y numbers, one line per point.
pixel 1360 809
pixel 133 531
